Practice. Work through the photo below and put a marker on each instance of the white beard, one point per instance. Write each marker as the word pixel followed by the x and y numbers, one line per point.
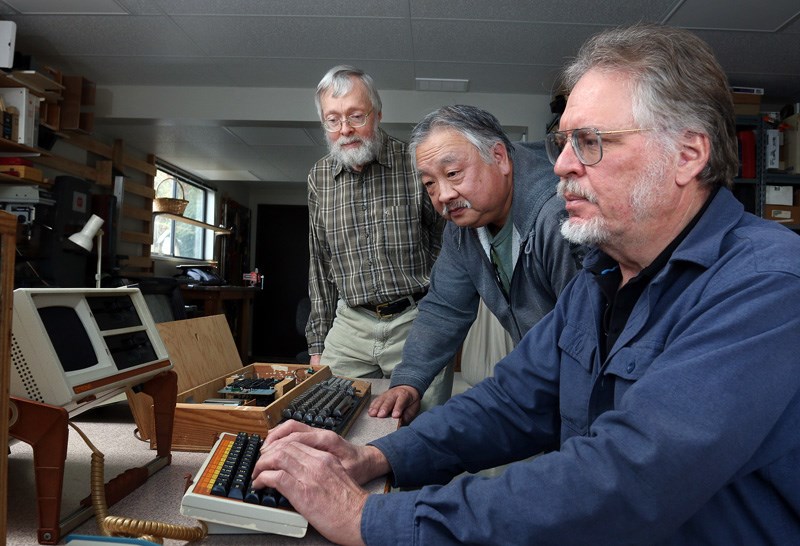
pixel 589 232
pixel 355 158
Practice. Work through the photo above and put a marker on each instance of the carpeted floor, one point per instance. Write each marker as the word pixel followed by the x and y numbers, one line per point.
pixel 111 429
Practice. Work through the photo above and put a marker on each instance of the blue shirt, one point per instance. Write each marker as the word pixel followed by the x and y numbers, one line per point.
pixel 688 432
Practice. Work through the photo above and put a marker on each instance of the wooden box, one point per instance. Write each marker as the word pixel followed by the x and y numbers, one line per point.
pixel 204 356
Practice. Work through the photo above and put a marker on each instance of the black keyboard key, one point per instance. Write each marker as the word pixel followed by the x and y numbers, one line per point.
pixel 269 497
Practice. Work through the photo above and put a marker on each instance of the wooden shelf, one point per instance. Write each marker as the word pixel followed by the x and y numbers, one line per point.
pixel 217 230
pixel 38 84
pixel 9 148
pixel 16 180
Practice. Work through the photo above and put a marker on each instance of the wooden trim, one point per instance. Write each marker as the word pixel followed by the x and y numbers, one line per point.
pixel 87 143
pixel 68 166
pixel 139 165
pixel 8 230
pixel 137 213
pixel 145 262
pixel 137 237
pixel 139 189
pixel 105 173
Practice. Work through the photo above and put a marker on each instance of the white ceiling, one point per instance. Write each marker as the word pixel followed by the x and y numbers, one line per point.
pixel 500 46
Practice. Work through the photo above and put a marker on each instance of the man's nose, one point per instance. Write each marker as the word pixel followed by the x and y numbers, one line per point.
pixel 345 129
pixel 567 162
pixel 447 193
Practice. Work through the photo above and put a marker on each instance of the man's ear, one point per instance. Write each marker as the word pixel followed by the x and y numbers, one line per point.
pixel 693 154
pixel 501 157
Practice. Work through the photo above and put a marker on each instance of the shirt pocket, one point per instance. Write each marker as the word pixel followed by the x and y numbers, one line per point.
pixel 578 354
pixel 629 364
pixel 401 234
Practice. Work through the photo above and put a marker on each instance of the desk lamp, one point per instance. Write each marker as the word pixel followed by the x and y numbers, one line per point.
pixel 84 240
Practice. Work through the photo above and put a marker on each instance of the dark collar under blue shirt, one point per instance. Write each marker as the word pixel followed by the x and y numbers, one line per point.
pixel 620 300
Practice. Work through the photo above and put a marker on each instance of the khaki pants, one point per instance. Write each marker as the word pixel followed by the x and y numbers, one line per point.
pixel 359 344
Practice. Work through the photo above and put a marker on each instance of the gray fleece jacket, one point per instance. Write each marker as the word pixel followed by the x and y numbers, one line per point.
pixel 463 273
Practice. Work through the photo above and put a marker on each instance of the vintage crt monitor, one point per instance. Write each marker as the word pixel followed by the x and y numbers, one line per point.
pixel 72 347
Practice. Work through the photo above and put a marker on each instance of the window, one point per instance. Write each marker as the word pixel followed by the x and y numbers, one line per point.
pixel 181 239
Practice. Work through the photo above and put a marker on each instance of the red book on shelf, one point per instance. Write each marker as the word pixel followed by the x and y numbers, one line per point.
pixel 747 153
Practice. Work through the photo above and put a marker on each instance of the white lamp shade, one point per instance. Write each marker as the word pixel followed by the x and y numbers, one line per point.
pixel 85 237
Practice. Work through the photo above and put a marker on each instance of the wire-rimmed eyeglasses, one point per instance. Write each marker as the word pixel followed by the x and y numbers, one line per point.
pixel 353 120
pixel 587 143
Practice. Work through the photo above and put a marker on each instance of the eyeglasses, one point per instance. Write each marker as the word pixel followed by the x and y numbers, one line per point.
pixel 587 143
pixel 353 120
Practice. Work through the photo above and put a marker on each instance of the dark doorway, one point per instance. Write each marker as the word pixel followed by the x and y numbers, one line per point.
pixel 281 255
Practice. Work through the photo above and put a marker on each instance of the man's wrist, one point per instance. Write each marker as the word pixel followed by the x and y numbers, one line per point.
pixel 412 390
pixel 377 463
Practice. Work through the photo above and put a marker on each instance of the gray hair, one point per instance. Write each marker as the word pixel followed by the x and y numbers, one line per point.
pixel 478 126
pixel 339 81
pixel 677 86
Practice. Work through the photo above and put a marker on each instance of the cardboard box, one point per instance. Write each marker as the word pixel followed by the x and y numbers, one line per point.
pixel 783 214
pixel 746 104
pixel 22 171
pixel 205 357
pixel 780 195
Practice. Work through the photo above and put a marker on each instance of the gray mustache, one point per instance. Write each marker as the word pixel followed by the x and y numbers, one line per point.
pixel 461 204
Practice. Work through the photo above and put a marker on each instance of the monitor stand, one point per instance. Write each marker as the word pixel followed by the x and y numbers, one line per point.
pixel 45 429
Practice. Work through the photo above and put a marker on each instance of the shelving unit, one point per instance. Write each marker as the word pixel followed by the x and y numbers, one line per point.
pixel 79 93
pixel 45 85
pixel 66 103
pixel 752 191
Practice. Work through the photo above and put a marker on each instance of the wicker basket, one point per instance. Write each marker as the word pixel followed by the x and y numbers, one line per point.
pixel 170 204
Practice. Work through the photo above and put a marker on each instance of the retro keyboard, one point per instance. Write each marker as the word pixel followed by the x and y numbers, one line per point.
pixel 221 495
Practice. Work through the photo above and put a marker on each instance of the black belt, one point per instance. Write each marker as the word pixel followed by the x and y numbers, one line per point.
pixel 386 310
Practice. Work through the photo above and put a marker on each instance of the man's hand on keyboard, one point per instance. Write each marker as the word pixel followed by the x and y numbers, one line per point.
pixel 401 402
pixel 307 466
pixel 362 463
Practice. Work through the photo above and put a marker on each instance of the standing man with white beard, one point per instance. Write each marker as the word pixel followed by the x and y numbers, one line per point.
pixel 373 237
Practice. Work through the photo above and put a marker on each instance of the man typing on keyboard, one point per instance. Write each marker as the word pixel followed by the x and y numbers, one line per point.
pixel 662 392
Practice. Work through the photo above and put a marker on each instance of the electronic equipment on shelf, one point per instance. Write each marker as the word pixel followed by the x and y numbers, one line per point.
pixel 221 494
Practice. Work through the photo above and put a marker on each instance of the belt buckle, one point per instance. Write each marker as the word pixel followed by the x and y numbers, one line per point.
pixel 380 307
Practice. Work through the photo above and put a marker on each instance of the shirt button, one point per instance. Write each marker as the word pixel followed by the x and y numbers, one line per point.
pixel 631 367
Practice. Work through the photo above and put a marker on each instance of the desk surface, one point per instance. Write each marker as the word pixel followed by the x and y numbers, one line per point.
pixel 110 429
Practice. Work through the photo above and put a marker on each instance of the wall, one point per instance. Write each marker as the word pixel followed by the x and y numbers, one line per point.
pixel 526 113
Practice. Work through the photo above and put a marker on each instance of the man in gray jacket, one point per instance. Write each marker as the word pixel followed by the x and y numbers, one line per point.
pixel 502 243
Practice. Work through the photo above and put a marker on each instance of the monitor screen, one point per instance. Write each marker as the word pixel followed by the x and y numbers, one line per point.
pixel 69 338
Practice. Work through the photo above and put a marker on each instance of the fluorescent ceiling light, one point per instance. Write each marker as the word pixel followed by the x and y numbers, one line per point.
pixel 226 175
pixel 442 84
pixel 71 7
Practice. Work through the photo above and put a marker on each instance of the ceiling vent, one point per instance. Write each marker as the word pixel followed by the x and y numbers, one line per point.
pixel 442 84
